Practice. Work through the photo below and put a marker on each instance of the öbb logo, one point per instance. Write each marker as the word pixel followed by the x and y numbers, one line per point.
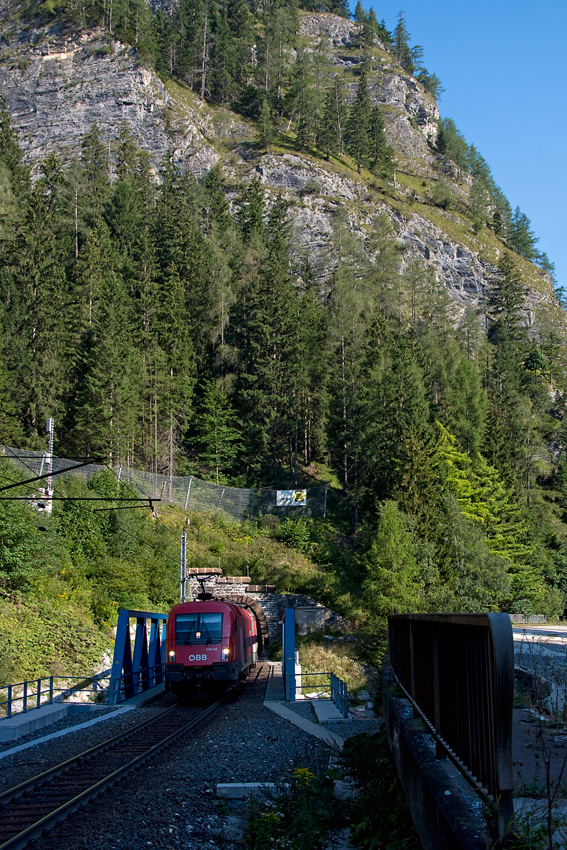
pixel 197 658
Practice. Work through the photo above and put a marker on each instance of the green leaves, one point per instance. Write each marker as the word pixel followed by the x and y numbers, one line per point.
pixel 19 541
pixel 392 583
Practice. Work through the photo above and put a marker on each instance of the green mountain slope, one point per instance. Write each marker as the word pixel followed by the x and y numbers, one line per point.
pixel 272 262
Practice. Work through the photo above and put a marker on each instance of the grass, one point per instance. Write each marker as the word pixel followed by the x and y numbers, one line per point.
pixel 317 655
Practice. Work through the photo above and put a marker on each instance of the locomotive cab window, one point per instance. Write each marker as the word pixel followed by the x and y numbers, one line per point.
pixel 195 628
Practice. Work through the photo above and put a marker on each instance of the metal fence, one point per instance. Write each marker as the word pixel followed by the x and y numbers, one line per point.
pixel 187 491
pixel 327 684
pixel 531 618
pixel 33 693
pixel 458 672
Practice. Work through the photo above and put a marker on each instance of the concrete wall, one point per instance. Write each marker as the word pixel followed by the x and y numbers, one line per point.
pixel 446 813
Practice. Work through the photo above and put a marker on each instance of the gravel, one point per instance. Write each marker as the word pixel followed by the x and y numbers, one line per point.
pixel 65 723
pixel 27 763
pixel 170 803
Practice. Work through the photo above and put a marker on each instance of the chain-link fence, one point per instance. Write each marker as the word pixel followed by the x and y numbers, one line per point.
pixel 188 492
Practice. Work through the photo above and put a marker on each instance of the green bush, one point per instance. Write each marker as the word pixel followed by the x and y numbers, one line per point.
pixel 294 532
pixel 297 817
pixel 381 818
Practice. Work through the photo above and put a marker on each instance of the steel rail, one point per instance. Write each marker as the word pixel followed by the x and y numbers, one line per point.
pixel 35 829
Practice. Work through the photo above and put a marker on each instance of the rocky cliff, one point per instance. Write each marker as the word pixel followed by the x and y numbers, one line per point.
pixel 57 82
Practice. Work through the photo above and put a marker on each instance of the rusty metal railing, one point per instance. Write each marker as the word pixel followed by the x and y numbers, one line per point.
pixel 458 672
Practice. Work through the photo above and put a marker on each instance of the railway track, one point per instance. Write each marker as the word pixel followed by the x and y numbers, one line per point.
pixel 34 806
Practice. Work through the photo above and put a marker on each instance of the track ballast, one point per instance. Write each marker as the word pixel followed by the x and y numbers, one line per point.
pixel 34 806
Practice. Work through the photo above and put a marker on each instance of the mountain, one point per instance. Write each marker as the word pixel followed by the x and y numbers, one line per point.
pixel 237 241
pixel 58 79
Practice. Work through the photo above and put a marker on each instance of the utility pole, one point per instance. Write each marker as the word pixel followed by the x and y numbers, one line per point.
pixel 183 564
pixel 49 427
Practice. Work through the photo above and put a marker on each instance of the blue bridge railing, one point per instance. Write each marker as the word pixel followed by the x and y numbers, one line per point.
pixel 47 690
pixel 139 666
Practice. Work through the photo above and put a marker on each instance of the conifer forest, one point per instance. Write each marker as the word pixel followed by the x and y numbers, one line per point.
pixel 175 323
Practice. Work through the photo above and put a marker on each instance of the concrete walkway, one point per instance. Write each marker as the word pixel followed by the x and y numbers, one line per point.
pixel 68 731
pixel 275 701
pixel 24 723
pixel 18 725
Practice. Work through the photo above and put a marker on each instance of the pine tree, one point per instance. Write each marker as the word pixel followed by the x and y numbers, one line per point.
pixel 395 410
pixel 11 155
pixel 106 405
pixel 10 430
pixel 180 244
pixel 475 578
pixel 480 200
pixel 401 48
pixel 281 23
pixel 392 579
pixel 521 237
pixel 507 299
pixel 351 309
pixel 359 13
pixel 217 439
pixel 359 122
pixel 172 334
pixel 313 371
pixel 334 119
pixel 301 97
pixel 381 154
pixel 265 129
pixel 37 304
pixel 223 59
pixel 243 39
pixel 266 384
pixel 95 188
pixel 250 214
pixel 95 266
pixel 384 272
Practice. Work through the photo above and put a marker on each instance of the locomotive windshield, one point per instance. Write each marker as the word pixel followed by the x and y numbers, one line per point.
pixel 201 627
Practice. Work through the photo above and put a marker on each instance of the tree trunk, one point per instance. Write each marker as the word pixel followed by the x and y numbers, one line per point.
pixel 345 418
pixel 204 59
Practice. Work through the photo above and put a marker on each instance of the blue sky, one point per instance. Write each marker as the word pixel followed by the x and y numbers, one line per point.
pixel 503 68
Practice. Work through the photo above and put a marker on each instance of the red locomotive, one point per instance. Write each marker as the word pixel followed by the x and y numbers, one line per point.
pixel 208 644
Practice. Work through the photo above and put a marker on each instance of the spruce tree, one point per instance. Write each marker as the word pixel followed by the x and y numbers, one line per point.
pixel 313 370
pixel 334 118
pixel 217 437
pixel 265 129
pixel 37 301
pixel 10 429
pixel 400 47
pixel 359 122
pixel 392 583
pixel 95 188
pixel 381 154
pixel 266 384
pixel 11 155
pixel 107 398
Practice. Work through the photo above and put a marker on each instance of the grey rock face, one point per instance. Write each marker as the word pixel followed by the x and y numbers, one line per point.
pixel 408 96
pixel 57 90
pixel 294 173
pixel 386 87
pixel 339 31
pixel 464 274
pixel 403 138
pixel 58 84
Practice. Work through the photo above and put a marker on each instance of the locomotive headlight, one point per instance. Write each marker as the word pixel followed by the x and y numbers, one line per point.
pixel 197 634
pixel 171 655
pixel 225 653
